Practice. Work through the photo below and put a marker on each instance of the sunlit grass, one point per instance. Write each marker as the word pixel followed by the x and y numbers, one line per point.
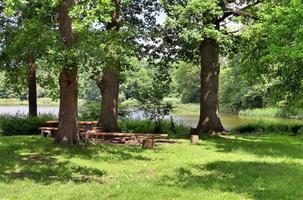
pixel 242 167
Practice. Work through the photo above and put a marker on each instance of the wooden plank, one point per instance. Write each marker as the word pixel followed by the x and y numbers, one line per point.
pixel 79 122
pixel 127 134
pixel 49 128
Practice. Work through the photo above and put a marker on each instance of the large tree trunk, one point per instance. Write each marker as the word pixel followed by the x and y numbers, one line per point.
pixel 68 132
pixel 209 121
pixel 32 87
pixel 109 88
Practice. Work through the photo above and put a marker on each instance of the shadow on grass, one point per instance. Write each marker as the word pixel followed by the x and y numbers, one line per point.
pixel 36 159
pixel 261 145
pixel 255 179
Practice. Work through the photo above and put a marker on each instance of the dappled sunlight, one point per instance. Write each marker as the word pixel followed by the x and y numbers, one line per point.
pixel 258 179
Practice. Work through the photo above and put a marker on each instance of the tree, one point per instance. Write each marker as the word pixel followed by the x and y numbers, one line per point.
pixel 271 52
pixel 185 77
pixel 117 41
pixel 68 132
pixel 197 29
pixel 26 35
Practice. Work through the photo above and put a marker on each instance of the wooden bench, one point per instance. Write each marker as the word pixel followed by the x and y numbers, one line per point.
pixel 52 131
pixel 48 131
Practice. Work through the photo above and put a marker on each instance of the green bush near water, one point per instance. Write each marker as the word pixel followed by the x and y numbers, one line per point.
pixel 21 124
pixel 272 112
pixel 268 126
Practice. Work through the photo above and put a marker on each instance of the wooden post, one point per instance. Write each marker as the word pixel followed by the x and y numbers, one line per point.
pixel 194 139
pixel 148 143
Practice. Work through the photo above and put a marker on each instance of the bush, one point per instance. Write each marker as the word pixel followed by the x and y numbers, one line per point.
pixel 149 126
pixel 272 112
pixel 91 111
pixel 22 125
pixel 271 127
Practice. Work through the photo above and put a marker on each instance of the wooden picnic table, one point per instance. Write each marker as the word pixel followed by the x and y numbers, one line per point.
pixel 88 125
pixel 80 123
pixel 51 127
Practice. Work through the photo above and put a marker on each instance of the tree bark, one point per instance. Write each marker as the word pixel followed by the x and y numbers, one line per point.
pixel 68 132
pixel 32 87
pixel 209 121
pixel 109 88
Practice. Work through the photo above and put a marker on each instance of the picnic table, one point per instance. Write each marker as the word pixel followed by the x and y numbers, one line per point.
pixel 51 127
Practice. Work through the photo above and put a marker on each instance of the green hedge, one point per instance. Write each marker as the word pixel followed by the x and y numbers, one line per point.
pixel 268 126
pixel 22 125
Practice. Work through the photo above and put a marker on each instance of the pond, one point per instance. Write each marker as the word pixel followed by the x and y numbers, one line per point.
pixel 229 121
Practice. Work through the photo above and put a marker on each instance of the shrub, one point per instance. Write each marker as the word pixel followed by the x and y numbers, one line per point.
pixel 91 111
pixel 268 126
pixel 149 126
pixel 272 112
pixel 22 125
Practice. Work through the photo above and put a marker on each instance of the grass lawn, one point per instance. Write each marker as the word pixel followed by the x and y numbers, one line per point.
pixel 244 167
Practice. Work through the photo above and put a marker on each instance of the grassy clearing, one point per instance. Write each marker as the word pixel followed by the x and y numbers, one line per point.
pixel 272 112
pixel 244 167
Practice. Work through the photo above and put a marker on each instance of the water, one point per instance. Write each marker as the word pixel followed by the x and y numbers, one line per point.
pixel 23 109
pixel 229 121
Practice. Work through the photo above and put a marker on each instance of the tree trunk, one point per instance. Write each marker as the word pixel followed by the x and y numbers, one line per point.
pixel 109 88
pixel 109 83
pixel 209 121
pixel 68 132
pixel 32 87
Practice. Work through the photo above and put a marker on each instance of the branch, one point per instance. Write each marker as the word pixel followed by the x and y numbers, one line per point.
pixel 239 11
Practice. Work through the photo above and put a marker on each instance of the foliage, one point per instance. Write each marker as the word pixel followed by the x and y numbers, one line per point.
pixel 237 93
pixel 270 127
pixel 152 88
pixel 148 126
pixel 271 52
pixel 272 112
pixel 186 77
pixel 21 124
pixel 91 111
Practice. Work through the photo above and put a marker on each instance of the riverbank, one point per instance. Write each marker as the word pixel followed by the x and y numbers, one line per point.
pixel 272 112
pixel 241 167
pixel 40 102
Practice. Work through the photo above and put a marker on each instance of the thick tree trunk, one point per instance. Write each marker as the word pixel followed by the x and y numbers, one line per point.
pixel 109 88
pixel 32 87
pixel 209 121
pixel 68 132
pixel 68 115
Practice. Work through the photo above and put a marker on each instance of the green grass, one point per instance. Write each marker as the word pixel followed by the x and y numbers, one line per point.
pixel 272 112
pixel 245 167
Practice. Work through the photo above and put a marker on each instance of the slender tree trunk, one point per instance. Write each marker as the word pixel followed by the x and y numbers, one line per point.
pixel 32 87
pixel 109 88
pixel 68 132
pixel 209 121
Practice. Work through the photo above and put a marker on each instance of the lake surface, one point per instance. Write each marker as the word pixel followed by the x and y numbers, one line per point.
pixel 229 121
